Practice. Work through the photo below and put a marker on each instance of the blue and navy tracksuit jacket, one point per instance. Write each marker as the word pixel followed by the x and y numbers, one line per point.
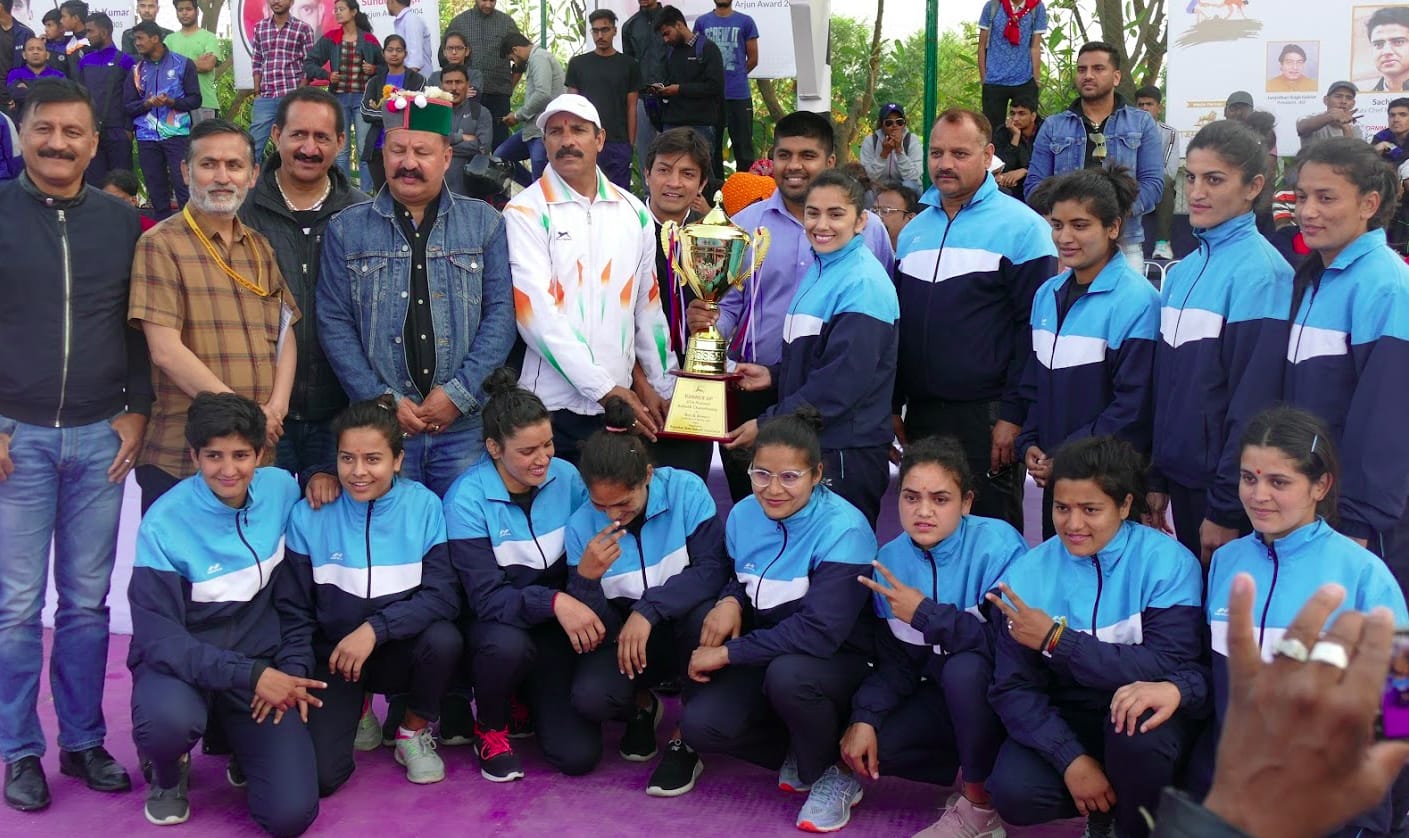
pixel 1090 371
pixel 840 339
pixel 797 579
pixel 954 575
pixel 676 563
pixel 1285 574
pixel 1348 362
pixel 1223 335
pixel 965 287
pixel 202 589
pixel 384 562
pixel 1133 614
pixel 511 563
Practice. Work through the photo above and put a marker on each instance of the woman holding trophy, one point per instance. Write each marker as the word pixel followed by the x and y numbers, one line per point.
pixel 840 340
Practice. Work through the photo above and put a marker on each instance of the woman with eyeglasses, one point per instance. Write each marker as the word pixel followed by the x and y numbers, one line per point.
pixel 455 50
pixel 788 642
pixel 892 152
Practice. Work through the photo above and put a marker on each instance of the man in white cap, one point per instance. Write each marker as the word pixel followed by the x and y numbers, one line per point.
pixel 586 340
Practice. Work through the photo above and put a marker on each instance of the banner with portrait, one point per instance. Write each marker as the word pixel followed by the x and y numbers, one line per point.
pixel 319 15
pixel 1286 54
pixel 773 17
pixel 122 12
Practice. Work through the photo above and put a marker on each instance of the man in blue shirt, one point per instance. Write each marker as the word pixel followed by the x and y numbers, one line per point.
pixel 736 35
pixel 1009 64
pixel 159 96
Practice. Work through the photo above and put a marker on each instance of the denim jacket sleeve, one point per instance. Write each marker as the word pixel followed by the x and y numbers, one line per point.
pixel 1149 167
pixel 495 335
pixel 338 320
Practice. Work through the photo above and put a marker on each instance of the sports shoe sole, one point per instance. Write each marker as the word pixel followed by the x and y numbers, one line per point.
pixel 507 778
pixel 808 826
pixel 655 724
pixel 170 821
pixel 657 791
pixel 235 782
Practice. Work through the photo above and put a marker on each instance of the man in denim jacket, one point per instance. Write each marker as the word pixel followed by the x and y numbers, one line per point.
pixel 414 296
pixel 1099 129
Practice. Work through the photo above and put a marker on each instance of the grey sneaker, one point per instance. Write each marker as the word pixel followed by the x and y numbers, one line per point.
pixel 828 806
pixel 1099 825
pixel 423 764
pixel 369 731
pixel 965 820
pixel 788 778
pixel 168 807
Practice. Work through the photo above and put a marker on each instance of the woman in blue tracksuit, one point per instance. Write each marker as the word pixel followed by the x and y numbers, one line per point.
pixel 1093 328
pixel 840 340
pixel 647 555
pixel 923 710
pixel 206 643
pixel 369 599
pixel 787 643
pixel 1348 351
pixel 1106 603
pixel 506 518
pixel 1223 341
pixel 1288 476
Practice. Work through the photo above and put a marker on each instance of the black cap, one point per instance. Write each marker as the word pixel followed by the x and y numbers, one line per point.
pixel 891 108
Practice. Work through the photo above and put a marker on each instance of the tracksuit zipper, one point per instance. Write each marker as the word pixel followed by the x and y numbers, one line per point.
pixel 1096 606
pixel 938 258
pixel 934 576
pixel 533 535
pixel 758 596
pixel 68 314
pixel 259 567
pixel 640 551
pixel 1271 589
pixel 367 543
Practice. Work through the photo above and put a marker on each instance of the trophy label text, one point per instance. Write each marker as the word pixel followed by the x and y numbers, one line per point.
pixel 698 408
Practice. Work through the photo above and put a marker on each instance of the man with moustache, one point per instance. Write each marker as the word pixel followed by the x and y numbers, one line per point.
pixel 208 294
pixel 104 71
pixel 471 125
pixel 295 198
pixel 414 296
pixel 803 148
pixel 75 391
pixel 969 266
pixel 584 339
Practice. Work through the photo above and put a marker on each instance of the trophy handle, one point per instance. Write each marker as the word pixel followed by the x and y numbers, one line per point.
pixel 762 239
pixel 671 243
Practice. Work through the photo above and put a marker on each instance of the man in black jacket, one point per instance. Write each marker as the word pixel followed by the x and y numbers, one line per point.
pixel 75 391
pixel 291 204
pixel 694 77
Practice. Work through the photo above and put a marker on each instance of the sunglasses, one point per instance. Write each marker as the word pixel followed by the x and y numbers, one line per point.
pixel 1099 140
pixel 887 123
pixel 889 210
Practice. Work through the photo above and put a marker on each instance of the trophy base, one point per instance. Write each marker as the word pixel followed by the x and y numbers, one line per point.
pixel 700 407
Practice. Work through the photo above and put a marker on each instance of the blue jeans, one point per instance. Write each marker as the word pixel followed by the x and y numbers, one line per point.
pixel 262 113
pixel 516 148
pixel 305 446
pixel 352 116
pixel 59 492
pixel 435 460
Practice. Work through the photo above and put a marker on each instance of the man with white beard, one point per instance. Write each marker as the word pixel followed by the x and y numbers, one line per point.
pixel 208 295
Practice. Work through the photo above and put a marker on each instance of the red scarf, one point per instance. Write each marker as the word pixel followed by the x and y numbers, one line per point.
pixel 1013 31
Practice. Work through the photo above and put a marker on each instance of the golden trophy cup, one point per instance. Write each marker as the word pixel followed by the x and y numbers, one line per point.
pixel 708 257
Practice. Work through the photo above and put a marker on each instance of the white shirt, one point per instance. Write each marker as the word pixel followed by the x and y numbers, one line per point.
pixel 410 26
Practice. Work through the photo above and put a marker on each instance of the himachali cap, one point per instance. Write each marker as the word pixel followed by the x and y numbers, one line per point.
pixel 417 110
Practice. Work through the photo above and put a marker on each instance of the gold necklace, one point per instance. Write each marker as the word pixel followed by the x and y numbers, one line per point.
pixel 255 287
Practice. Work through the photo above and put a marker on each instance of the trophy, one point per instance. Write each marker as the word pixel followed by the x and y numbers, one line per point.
pixel 708 256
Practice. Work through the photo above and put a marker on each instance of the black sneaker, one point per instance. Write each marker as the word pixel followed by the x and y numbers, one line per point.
pixel 497 761
pixel 677 772
pixel 457 721
pixel 234 774
pixel 638 741
pixel 395 712
pixel 1099 825
pixel 168 807
pixel 520 720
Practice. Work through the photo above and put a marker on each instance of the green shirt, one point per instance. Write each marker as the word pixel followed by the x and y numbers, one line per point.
pixel 194 46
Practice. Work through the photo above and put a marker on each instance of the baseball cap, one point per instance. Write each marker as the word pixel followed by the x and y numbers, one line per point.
pixel 572 103
pixel 1337 85
pixel 891 108
pixel 1239 97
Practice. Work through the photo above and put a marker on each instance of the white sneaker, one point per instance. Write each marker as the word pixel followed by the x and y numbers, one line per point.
pixel 423 764
pixel 965 820
pixel 369 732
pixel 1162 250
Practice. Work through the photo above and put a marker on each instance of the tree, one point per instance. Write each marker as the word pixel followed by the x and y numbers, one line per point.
pixel 1138 29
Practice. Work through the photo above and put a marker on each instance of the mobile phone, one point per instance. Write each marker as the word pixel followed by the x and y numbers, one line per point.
pixel 1393 722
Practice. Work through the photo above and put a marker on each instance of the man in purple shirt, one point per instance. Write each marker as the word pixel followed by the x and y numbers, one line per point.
pixel 736 35
pixel 803 144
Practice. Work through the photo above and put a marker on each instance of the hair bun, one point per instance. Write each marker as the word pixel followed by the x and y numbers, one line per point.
pixel 809 416
pixel 500 382
pixel 618 414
